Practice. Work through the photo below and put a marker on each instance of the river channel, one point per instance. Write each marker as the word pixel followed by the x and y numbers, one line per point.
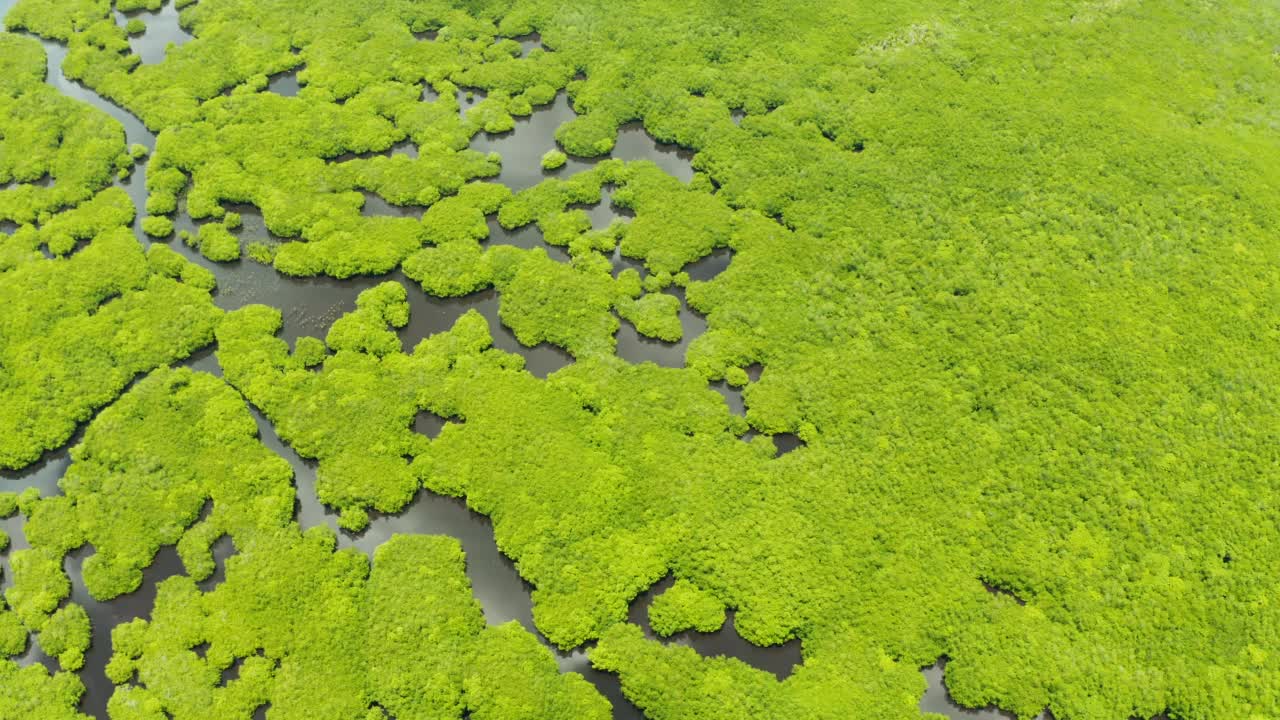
pixel 310 305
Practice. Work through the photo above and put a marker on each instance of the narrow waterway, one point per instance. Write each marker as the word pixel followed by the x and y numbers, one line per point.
pixel 310 305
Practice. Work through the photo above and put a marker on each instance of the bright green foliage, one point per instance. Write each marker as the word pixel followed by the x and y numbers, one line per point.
pixel 13 636
pixel 456 265
pixel 125 6
pixel 289 608
pixel 362 463
pixel 561 229
pixel 736 377
pixel 573 306
pixel 60 234
pixel 433 656
pixel 370 329
pixel 548 199
pixel 316 634
pixel 157 226
pixel 261 252
pixel 31 693
pixel 554 160
pixel 164 261
pixel 319 635
pixel 1020 332
pixel 237 40
pixel 451 269
pixel 201 447
pixel 685 606
pixel 544 300
pixel 66 636
pixel 421 618
pixel 28 499
pixel 217 243
pixel 287 155
pixel 514 678
pixel 56 19
pixel 655 315
pixel 135 26
pixel 77 329
pixel 353 417
pixel 642 439
pixel 674 224
pixel 299 193
pixel 46 136
pixel 462 218
pixel 675 683
pixel 8 504
pixel 1010 267
pixel 39 585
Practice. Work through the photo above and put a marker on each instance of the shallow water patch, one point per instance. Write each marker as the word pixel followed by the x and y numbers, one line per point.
pixel 163 29
pixel 709 266
pixel 285 83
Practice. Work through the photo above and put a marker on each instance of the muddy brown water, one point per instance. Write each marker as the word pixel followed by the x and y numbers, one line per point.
pixel 309 306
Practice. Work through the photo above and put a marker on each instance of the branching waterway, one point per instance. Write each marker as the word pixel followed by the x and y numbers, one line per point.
pixel 310 305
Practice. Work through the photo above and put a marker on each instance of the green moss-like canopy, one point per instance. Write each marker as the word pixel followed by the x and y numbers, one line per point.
pixel 1009 271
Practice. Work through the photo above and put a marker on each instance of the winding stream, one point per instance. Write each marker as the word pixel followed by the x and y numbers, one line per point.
pixel 310 305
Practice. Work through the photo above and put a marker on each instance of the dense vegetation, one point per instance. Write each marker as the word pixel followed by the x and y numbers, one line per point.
pixel 54 152
pixel 313 632
pixel 1009 269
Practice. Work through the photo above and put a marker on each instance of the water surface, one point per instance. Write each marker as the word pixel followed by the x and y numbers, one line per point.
pixel 310 305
